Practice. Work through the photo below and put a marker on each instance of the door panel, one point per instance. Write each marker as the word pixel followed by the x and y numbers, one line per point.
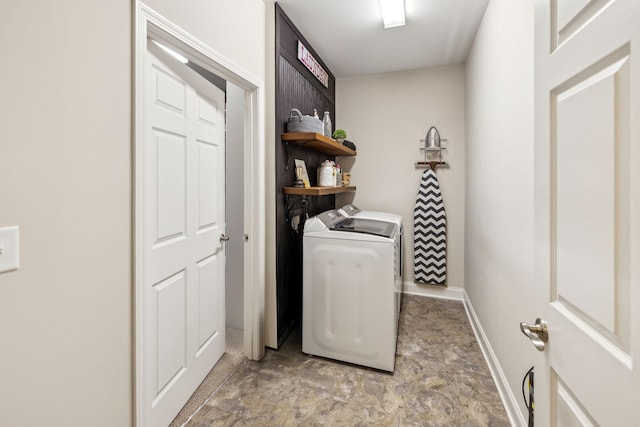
pixel 587 210
pixel 208 154
pixel 566 11
pixel 184 214
pixel 170 93
pixel 209 300
pixel 587 122
pixel 170 208
pixel 172 341
pixel 568 17
pixel 570 412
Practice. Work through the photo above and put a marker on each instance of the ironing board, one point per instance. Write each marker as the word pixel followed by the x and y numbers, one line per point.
pixel 429 233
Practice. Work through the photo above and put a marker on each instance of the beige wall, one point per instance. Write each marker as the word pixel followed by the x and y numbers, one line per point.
pixel 65 179
pixel 270 302
pixel 235 29
pixel 386 115
pixel 66 328
pixel 499 214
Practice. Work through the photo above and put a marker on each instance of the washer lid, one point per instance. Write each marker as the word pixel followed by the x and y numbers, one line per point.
pixel 330 217
pixel 380 216
pixel 349 210
pixel 366 226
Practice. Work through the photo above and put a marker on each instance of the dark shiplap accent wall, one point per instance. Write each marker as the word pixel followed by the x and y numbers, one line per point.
pixel 295 87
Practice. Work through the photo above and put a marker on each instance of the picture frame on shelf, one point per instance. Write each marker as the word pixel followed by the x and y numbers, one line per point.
pixel 301 170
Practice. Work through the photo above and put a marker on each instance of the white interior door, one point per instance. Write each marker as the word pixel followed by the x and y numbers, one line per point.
pixel 587 151
pixel 184 326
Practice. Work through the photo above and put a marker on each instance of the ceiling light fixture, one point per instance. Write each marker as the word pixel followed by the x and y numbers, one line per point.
pixel 392 12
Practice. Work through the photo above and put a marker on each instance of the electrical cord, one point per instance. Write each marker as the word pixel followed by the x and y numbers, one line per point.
pixel 303 204
pixel 528 404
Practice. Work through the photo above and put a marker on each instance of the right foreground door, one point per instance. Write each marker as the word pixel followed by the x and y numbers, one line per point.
pixel 587 194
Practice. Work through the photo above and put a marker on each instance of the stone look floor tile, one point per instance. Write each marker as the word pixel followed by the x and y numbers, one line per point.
pixel 441 379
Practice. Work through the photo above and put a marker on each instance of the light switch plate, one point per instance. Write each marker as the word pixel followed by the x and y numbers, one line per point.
pixel 9 248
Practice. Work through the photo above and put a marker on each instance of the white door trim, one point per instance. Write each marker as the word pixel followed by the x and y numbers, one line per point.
pixel 150 24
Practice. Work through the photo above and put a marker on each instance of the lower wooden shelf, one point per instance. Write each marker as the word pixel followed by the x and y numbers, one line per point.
pixel 317 191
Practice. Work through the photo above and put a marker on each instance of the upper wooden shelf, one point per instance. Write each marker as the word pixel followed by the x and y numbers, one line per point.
pixel 318 142
pixel 317 191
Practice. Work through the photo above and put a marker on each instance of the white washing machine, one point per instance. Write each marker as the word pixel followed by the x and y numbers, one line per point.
pixel 355 212
pixel 352 211
pixel 351 267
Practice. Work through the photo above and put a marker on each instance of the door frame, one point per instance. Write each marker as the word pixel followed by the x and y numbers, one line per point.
pixel 150 24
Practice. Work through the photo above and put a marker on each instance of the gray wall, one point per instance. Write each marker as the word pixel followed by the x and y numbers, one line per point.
pixel 499 184
pixel 235 208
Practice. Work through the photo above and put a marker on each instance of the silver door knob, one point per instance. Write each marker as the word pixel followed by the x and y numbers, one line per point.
pixel 537 333
pixel 224 238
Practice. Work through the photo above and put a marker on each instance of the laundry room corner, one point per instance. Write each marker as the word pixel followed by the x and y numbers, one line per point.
pixel 386 115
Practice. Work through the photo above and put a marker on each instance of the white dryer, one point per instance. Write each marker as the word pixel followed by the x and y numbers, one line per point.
pixel 351 267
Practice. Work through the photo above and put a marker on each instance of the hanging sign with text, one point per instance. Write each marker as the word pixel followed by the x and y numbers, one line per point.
pixel 312 65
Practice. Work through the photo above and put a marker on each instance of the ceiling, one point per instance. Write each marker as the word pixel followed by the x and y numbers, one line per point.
pixel 349 37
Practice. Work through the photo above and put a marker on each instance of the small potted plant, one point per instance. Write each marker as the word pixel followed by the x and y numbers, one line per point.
pixel 339 135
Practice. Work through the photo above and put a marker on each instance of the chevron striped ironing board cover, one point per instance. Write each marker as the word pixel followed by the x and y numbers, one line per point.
pixel 429 233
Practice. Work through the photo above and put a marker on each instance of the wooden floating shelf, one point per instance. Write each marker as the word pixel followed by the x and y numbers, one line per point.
pixel 317 191
pixel 318 142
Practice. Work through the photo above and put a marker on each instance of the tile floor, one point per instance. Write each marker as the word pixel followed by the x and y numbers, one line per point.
pixel 232 359
pixel 441 379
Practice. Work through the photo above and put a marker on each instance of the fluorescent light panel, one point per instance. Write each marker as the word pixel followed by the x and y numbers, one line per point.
pixel 392 12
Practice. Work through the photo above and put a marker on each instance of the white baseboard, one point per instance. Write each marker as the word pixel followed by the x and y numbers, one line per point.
pixel 508 399
pixel 433 291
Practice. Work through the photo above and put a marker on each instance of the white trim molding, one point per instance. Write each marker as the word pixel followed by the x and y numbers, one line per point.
pixel 508 399
pixel 434 291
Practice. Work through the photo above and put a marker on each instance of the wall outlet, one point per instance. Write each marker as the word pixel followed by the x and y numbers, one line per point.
pixel 9 248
